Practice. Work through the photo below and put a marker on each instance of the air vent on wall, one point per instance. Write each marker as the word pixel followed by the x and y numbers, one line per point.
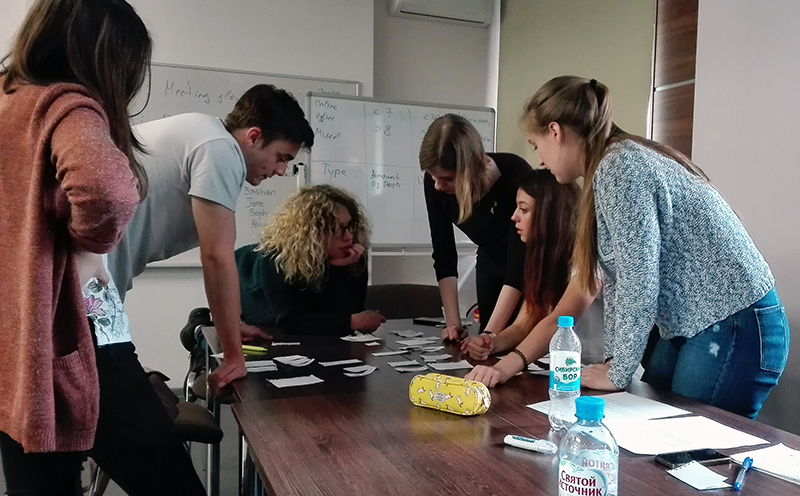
pixel 477 13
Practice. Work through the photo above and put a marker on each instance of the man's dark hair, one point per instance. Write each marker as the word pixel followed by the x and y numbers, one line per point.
pixel 275 112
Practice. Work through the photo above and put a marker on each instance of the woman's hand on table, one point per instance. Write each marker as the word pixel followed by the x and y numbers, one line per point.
pixel 596 377
pixel 478 347
pixel 454 332
pixel 366 321
pixel 250 333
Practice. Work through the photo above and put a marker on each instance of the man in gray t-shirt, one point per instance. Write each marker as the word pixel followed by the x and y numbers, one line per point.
pixel 196 166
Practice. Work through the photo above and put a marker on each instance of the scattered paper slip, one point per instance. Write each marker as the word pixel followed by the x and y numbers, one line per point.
pixel 537 370
pixel 699 476
pixel 421 368
pixel 436 358
pixel 294 360
pixel 418 341
pixel 360 338
pixel 432 349
pixel 359 371
pixel 260 366
pixel 408 334
pixel 779 461
pixel 463 364
pixel 389 353
pixel 286 343
pixel 407 363
pixel 650 437
pixel 295 381
pixel 372 343
pixel 340 362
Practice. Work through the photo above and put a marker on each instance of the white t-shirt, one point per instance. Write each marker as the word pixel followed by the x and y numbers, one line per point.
pixel 189 155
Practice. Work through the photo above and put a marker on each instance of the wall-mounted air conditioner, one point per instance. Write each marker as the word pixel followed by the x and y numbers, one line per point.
pixel 477 13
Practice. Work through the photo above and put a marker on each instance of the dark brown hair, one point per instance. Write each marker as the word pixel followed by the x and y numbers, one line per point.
pixel 585 106
pixel 549 249
pixel 101 45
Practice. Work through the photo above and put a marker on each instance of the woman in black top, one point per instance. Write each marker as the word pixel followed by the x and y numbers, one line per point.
pixel 476 191
pixel 309 273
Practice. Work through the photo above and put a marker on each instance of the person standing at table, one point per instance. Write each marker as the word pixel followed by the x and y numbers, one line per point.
pixel 671 251
pixel 197 165
pixel 70 181
pixel 476 191
pixel 544 221
pixel 308 275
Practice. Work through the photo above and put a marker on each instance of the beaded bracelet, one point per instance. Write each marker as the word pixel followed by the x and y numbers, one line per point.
pixel 521 355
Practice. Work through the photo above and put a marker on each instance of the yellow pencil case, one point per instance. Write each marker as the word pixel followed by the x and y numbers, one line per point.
pixel 449 394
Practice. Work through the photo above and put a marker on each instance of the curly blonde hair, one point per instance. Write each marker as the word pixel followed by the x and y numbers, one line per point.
pixel 295 235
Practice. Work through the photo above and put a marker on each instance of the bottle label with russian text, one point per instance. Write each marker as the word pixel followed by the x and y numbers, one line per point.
pixel 565 371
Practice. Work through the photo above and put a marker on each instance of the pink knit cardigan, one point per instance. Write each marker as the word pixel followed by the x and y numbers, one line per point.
pixel 63 186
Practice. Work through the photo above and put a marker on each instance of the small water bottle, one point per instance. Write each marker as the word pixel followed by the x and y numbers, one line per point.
pixel 588 458
pixel 565 374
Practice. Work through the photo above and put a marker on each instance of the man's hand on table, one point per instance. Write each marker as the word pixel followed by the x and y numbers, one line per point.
pixel 249 333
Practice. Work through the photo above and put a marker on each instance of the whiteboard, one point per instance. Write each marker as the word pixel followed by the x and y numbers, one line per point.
pixel 176 89
pixel 370 147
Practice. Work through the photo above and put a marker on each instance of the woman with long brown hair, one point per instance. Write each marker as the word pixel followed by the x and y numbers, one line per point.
pixel 544 221
pixel 69 183
pixel 670 252
pixel 475 191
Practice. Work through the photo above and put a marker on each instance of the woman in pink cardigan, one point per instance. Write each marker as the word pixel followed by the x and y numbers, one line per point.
pixel 68 185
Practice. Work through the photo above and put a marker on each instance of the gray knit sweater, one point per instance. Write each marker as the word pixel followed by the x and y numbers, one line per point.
pixel 672 251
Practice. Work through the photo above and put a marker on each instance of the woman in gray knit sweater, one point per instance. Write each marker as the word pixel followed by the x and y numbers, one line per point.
pixel 671 253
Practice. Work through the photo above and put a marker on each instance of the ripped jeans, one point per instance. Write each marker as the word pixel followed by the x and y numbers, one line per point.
pixel 732 364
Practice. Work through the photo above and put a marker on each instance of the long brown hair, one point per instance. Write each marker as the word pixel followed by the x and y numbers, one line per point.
pixel 101 45
pixel 585 106
pixel 453 144
pixel 549 250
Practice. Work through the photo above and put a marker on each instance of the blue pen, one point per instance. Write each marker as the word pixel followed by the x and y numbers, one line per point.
pixel 747 464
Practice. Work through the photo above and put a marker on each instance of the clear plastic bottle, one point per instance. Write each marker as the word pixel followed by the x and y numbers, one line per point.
pixel 565 374
pixel 588 458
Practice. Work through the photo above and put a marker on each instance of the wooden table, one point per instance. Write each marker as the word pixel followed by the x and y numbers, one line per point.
pixel 362 436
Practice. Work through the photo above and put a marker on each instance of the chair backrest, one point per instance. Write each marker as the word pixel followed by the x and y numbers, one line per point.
pixel 404 301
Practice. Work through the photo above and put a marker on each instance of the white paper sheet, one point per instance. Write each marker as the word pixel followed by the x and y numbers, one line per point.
pixel 349 361
pixel 286 343
pixel 260 366
pixel 436 358
pixel 389 353
pixel 295 381
pixel 626 406
pixel 359 371
pixel 418 341
pixel 406 363
pixel 779 461
pixel 408 334
pixel 360 338
pixel 463 364
pixel 699 476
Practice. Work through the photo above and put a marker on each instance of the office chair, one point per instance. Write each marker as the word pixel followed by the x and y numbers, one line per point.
pixel 404 301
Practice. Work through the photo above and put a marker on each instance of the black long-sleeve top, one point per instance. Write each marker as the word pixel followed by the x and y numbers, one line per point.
pixel 500 250
pixel 268 300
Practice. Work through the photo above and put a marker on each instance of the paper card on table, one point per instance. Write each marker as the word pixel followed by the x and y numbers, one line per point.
pixel 361 338
pixel 408 334
pixel 421 368
pixel 349 361
pixel 389 353
pixel 463 364
pixel 260 366
pixel 372 343
pixel 359 371
pixel 650 437
pixel 294 360
pixel 418 341
pixel 779 461
pixel 436 358
pixel 286 343
pixel 295 381
pixel 432 349
pixel 699 476
pixel 537 370
pixel 406 363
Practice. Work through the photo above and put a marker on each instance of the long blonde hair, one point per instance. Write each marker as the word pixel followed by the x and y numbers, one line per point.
pixel 585 106
pixel 453 144
pixel 296 234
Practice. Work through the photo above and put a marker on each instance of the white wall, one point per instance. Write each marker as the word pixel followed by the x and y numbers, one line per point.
pixel 11 14
pixel 746 139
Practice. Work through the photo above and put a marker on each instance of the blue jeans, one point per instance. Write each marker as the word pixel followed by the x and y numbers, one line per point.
pixel 732 364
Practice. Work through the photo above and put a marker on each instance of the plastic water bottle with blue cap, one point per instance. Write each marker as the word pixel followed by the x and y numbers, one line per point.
pixel 588 458
pixel 565 374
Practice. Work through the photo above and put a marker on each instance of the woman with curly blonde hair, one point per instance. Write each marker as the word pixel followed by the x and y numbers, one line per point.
pixel 308 275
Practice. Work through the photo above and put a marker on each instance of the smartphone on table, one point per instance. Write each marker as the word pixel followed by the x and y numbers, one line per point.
pixel 702 456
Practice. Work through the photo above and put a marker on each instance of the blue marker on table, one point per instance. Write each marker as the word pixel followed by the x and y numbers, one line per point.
pixel 747 464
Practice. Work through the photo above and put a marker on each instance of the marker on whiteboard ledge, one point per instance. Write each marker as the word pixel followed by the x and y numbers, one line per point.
pixel 540 445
